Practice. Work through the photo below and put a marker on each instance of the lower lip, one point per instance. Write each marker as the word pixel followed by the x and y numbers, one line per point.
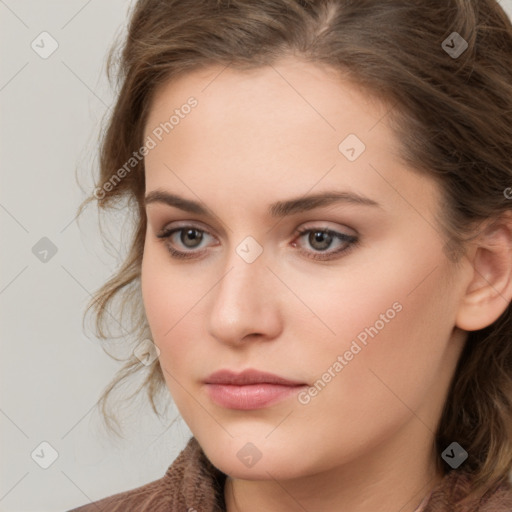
pixel 250 396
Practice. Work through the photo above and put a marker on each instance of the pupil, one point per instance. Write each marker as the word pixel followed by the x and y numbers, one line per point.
pixel 319 236
pixel 192 234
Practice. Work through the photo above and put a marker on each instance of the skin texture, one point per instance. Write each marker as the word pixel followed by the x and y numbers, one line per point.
pixel 256 137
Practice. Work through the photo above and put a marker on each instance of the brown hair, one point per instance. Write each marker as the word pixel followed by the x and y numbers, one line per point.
pixel 452 114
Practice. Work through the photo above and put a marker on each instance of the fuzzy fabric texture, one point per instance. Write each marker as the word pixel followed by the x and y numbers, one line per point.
pixel 193 484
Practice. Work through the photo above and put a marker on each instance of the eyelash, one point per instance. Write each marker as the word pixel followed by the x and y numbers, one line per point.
pixel 351 240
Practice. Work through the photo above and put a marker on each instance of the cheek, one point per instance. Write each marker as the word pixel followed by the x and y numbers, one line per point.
pixel 401 293
pixel 393 322
pixel 171 296
pixel 163 296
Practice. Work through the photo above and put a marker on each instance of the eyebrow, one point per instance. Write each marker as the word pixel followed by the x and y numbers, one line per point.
pixel 277 209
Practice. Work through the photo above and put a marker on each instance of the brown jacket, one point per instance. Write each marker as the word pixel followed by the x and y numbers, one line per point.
pixel 193 484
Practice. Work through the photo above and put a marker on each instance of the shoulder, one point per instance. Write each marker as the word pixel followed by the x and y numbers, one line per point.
pixel 191 482
pixel 456 485
pixel 498 499
pixel 151 496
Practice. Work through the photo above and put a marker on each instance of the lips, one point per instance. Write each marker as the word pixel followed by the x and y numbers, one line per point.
pixel 250 389
pixel 249 377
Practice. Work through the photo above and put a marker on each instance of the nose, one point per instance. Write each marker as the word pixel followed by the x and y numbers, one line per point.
pixel 245 302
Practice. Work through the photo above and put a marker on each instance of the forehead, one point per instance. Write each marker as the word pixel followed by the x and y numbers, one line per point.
pixel 293 109
pixel 286 126
pixel 319 94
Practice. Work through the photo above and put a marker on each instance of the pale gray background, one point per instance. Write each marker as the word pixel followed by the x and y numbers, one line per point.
pixel 51 372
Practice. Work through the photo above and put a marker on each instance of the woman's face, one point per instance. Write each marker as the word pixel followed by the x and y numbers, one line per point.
pixel 360 317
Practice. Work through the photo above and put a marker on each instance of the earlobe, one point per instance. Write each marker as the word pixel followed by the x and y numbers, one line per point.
pixel 489 291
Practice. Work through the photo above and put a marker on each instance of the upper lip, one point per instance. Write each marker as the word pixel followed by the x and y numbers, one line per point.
pixel 246 377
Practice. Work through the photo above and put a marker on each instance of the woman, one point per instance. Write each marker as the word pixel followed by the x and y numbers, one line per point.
pixel 322 191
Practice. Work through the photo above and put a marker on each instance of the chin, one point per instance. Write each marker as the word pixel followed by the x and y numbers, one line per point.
pixel 257 460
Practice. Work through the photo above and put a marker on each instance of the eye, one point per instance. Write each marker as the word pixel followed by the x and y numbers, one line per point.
pixel 322 238
pixel 189 236
pixel 319 238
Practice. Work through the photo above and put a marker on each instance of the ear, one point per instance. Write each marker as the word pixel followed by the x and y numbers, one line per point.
pixel 489 291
